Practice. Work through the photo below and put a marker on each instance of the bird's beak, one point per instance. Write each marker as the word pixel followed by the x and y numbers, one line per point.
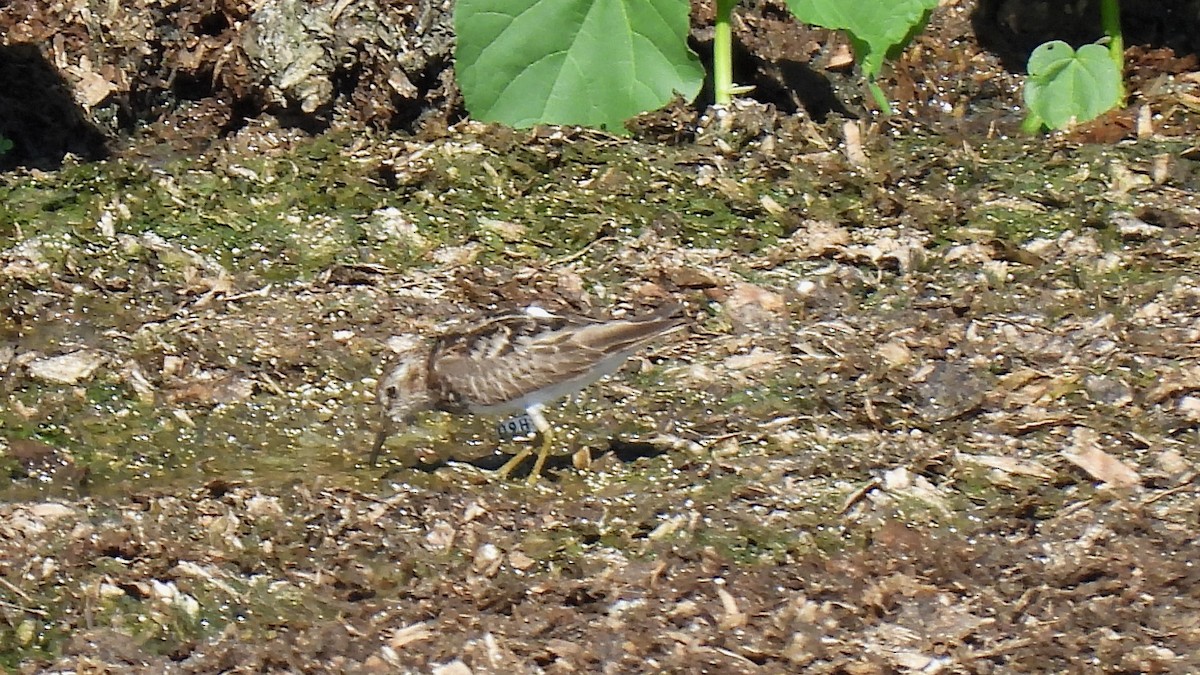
pixel 385 430
pixel 387 426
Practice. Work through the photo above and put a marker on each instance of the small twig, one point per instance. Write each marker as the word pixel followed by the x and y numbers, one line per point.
pixel 15 589
pixel 578 254
pixel 854 497
pixel 269 382
pixel 40 612
pixel 1001 649
pixel 1167 493
pixel 260 292
pixel 723 437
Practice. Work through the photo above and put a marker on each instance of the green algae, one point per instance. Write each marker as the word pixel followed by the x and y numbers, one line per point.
pixel 283 219
pixel 290 407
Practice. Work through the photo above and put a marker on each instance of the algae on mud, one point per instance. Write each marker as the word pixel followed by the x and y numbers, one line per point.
pixel 210 469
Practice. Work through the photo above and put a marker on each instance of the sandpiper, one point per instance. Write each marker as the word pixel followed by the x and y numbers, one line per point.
pixel 516 362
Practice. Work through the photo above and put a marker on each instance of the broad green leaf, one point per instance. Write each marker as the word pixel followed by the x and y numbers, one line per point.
pixel 874 26
pixel 1067 86
pixel 589 62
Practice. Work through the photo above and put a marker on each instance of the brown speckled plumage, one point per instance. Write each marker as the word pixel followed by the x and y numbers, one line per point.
pixel 513 357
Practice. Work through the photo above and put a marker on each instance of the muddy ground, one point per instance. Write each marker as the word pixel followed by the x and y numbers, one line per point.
pixel 937 407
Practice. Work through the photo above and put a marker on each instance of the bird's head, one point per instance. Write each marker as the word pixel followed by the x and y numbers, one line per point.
pixel 403 392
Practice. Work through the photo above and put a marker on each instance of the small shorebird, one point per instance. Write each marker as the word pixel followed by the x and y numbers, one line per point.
pixel 512 363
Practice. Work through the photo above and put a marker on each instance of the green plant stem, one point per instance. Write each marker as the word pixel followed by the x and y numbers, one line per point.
pixel 1110 21
pixel 723 53
pixel 881 98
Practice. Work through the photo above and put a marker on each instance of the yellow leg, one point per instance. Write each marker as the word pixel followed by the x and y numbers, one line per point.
pixel 545 435
pixel 513 463
pixel 546 432
pixel 547 441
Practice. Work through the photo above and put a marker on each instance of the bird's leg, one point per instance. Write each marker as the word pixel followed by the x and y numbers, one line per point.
pixel 547 437
pixel 513 463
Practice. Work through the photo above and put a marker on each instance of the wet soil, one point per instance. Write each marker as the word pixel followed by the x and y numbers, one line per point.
pixel 937 406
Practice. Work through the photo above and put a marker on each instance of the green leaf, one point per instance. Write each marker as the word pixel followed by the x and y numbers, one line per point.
pixel 589 62
pixel 1067 87
pixel 875 26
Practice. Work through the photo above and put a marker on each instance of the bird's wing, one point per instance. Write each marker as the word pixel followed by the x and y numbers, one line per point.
pixel 511 357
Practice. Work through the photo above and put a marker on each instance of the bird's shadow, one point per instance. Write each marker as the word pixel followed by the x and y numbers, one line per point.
pixel 625 451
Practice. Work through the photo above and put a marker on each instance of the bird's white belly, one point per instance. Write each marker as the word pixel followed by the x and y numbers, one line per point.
pixel 555 391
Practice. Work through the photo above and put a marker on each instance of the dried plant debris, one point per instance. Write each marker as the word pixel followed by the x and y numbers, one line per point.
pixel 874 448
pixel 937 411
